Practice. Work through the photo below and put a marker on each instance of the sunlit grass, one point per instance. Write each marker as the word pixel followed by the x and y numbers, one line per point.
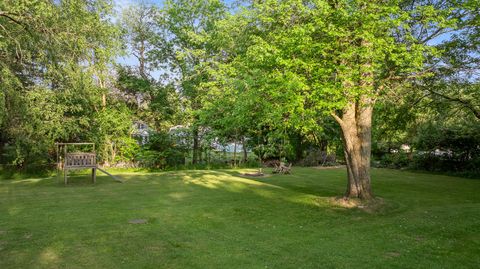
pixel 221 219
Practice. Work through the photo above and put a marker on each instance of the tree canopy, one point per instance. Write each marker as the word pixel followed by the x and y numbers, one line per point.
pixel 286 79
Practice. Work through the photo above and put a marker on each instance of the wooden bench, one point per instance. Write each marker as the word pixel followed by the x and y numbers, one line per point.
pixel 80 160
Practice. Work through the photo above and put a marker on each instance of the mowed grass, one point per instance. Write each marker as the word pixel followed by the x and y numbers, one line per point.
pixel 218 219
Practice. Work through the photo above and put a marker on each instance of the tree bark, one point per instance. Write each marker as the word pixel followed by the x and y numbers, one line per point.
pixel 356 125
pixel 235 153
pixel 195 145
pixel 141 60
pixel 104 101
pixel 244 147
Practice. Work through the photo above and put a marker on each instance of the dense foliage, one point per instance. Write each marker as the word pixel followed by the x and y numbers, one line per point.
pixel 54 66
pixel 298 81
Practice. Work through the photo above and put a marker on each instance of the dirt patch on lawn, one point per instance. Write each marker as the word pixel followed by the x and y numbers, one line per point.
pixel 254 174
pixel 258 174
pixel 375 205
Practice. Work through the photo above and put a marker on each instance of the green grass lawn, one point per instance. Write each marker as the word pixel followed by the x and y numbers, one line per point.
pixel 217 219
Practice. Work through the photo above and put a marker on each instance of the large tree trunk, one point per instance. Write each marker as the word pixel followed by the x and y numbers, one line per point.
pixel 356 125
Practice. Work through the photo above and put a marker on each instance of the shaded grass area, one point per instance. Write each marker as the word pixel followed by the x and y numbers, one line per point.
pixel 11 172
pixel 219 219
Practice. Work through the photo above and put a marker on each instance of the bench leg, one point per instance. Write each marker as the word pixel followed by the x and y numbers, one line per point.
pixel 94 175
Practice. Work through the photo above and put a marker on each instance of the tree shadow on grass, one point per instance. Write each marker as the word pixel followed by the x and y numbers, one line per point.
pixel 187 211
pixel 290 188
pixel 295 188
pixel 269 188
pixel 325 186
pixel 299 182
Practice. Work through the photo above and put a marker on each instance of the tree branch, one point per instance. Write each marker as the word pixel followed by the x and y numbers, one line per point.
pixel 337 118
pixel 8 16
pixel 465 103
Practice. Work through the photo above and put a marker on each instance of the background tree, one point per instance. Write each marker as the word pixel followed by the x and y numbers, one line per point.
pixel 54 63
pixel 182 47
pixel 456 73
pixel 153 100
pixel 138 26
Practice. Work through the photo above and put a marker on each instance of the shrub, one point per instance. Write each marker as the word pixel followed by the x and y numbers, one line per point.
pixel 447 163
pixel 394 160
pixel 161 152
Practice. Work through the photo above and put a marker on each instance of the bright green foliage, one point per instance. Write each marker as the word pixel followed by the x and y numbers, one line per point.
pixel 182 46
pixel 217 219
pixel 267 74
pixel 162 151
pixel 138 25
pixel 294 63
pixel 151 102
pixel 111 129
pixel 296 60
pixel 442 133
pixel 439 113
pixel 54 60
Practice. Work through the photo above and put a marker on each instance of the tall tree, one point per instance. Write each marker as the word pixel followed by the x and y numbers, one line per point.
pixel 152 100
pixel 53 62
pixel 182 47
pixel 138 24
pixel 334 57
pixel 456 72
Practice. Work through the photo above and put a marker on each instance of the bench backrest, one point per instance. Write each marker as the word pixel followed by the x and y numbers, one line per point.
pixel 80 159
